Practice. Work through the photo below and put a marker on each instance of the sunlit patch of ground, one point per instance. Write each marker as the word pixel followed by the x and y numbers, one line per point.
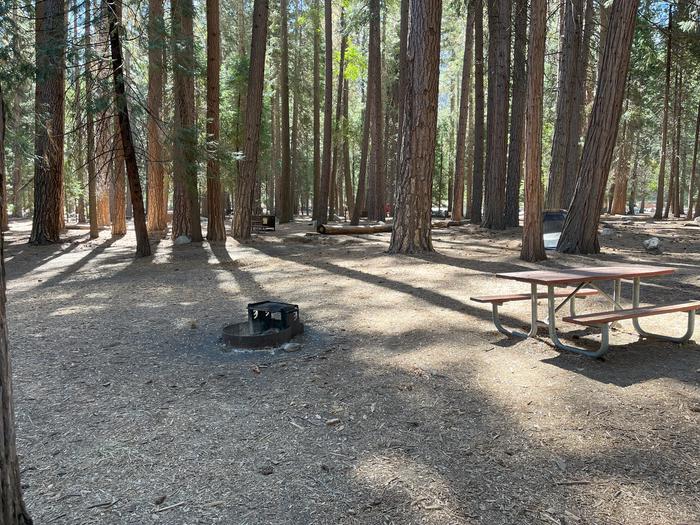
pixel 405 405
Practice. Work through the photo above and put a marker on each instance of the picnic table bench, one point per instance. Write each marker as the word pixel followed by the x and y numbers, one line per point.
pixel 569 284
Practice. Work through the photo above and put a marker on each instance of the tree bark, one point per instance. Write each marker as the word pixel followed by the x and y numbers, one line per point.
pixel 580 233
pixel 578 106
pixel 157 212
pixel 216 231
pixel 461 141
pixel 90 133
pixel 78 113
pixel 402 82
pixel 658 213
pixel 321 215
pixel 694 183
pixel 674 188
pixel 568 84
pixel 517 118
pixel 411 232
pixel 478 172
pixel 12 509
pixel 497 114
pixel 256 77
pixel 621 174
pixel 104 134
pixel 118 211
pixel 635 181
pixel 186 200
pixel 346 151
pixel 337 143
pixel 143 247
pixel 17 210
pixel 285 208
pixel 375 204
pixel 533 243
pixel 50 46
pixel 362 176
pixel 317 107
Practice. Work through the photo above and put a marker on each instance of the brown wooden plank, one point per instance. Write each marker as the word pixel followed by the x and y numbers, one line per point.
pixel 500 299
pixel 611 316
pixel 586 274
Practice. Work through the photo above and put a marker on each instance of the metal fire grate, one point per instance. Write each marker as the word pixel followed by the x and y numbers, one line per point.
pixel 269 324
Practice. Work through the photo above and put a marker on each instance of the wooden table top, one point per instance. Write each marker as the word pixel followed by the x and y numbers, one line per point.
pixel 579 275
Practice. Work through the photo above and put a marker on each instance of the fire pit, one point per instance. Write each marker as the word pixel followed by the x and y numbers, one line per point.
pixel 269 324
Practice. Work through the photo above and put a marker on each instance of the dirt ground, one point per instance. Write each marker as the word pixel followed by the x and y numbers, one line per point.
pixel 404 406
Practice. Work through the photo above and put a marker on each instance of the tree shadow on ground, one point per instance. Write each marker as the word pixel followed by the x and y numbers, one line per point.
pixel 427 431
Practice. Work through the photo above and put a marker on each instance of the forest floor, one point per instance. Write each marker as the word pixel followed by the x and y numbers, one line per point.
pixel 404 406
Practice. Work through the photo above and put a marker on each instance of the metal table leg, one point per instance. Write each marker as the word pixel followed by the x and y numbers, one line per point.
pixel 604 332
pixel 635 321
pixel 533 317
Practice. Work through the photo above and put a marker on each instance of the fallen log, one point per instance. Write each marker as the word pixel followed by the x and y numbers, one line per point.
pixel 447 224
pixel 332 229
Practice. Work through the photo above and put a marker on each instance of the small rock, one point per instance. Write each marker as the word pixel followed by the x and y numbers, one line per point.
pixel 291 347
pixel 607 232
pixel 159 500
pixel 653 246
pixel 697 219
pixel 333 421
pixel 193 325
pixel 182 239
pixel 266 469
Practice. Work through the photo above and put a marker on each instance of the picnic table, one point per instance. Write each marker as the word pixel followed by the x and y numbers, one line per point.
pixel 572 283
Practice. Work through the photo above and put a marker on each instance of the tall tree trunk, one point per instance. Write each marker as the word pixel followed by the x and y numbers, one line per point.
pixel 143 247
pixel 580 234
pixel 118 188
pixel 497 114
pixel 186 201
pixel 375 204
pixel 362 175
pixel 578 106
pixel 256 78
pixel 337 143
pixel 90 133
pixel 118 211
pixel 478 172
pixel 272 189
pixel 157 212
pixel 658 213
pixel 694 183
pixel 621 173
pixel 568 83
pixel 78 112
pixel 675 187
pixel 346 150
pixel 635 181
pixel 461 142
pixel 411 233
pixel 286 205
pixel 533 243
pixel 17 167
pixel 321 215
pixel 50 44
pixel 297 114
pixel 104 134
pixel 317 106
pixel 517 118
pixel 12 509
pixel 216 231
pixel 402 83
